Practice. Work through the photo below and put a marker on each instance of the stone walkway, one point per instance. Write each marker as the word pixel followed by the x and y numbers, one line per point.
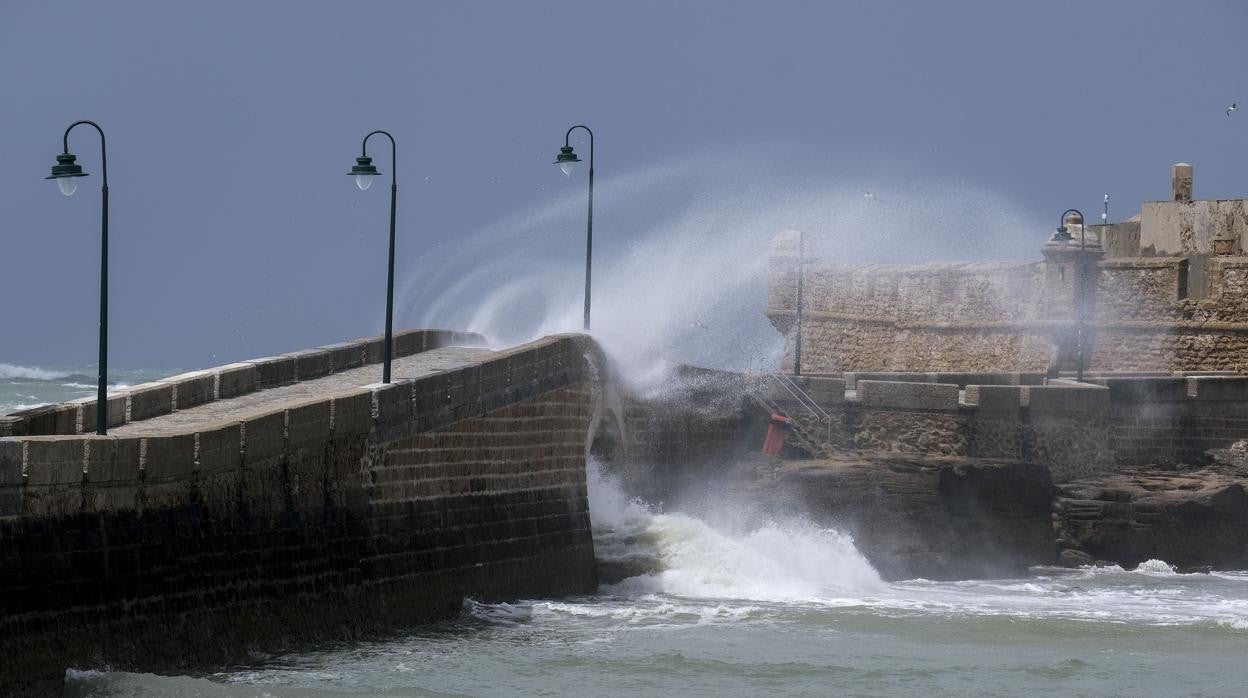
pixel 265 401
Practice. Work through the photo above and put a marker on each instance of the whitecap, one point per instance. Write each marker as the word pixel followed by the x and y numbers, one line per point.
pixel 12 371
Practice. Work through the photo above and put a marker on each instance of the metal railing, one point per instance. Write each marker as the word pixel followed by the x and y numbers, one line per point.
pixel 772 383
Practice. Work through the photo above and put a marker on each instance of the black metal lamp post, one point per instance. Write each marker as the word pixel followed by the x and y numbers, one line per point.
pixel 364 171
pixel 1063 235
pixel 567 161
pixel 801 272
pixel 66 173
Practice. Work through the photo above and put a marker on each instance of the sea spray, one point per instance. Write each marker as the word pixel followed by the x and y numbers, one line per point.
pixel 776 560
pixel 13 372
pixel 680 257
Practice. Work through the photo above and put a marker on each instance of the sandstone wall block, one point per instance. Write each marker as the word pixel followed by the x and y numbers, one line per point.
pixel 913 396
pixel 146 401
pixel 236 379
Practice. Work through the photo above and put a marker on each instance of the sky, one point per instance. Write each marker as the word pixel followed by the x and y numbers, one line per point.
pixel 236 233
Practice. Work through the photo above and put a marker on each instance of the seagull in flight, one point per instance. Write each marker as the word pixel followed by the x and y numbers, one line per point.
pixel 1234 106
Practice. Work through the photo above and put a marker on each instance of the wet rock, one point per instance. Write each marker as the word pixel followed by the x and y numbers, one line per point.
pixel 1193 519
pixel 931 517
pixel 1075 558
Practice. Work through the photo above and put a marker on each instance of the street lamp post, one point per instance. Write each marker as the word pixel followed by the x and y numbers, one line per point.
pixel 364 171
pixel 567 160
pixel 1063 235
pixel 801 272
pixel 66 173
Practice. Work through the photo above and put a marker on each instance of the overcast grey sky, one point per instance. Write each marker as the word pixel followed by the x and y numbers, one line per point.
pixel 231 125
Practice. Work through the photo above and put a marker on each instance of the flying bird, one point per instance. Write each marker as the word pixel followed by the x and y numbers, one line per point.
pixel 1234 106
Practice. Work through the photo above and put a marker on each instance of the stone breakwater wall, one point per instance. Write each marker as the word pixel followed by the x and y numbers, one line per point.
pixel 661 442
pixel 195 388
pixel 1143 313
pixel 344 515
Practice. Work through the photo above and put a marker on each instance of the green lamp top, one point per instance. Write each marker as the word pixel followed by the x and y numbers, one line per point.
pixel 566 155
pixel 363 167
pixel 66 167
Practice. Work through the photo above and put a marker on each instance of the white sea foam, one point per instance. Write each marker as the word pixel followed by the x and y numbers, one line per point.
pixel 709 573
pixel 775 561
pixel 11 371
pixel 1155 567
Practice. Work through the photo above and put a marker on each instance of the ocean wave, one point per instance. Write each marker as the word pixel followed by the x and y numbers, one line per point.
pixel 13 371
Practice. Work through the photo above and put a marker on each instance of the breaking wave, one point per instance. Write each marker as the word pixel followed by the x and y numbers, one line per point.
pixel 14 372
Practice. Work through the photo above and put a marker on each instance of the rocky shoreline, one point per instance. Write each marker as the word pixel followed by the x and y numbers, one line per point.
pixel 947 518
pixel 1193 518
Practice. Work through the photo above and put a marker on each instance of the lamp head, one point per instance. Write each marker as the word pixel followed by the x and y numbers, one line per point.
pixel 364 171
pixel 567 160
pixel 1072 217
pixel 66 172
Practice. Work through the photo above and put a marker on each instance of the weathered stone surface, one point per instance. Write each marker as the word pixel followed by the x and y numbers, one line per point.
pixel 10 462
pixel 345 355
pixel 114 403
pixel 331 523
pixel 1219 388
pixel 312 363
pixel 236 379
pixel 148 400
pixel 910 396
pixel 274 370
pixel 824 391
pixel 1083 400
pixel 937 518
pixel 995 398
pixel 1145 389
pixel 1144 310
pixel 48 419
pixel 191 389
pixel 1192 518
pixel 12 426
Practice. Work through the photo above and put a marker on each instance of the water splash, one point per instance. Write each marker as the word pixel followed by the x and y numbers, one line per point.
pixel 680 263
pixel 773 561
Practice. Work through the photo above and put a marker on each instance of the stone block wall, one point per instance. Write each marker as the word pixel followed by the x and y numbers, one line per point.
pixel 1177 313
pixel 349 514
pixel 197 387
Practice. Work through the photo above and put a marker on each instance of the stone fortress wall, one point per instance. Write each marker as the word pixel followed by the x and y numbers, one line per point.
pixel 1075 430
pixel 339 515
pixel 1166 291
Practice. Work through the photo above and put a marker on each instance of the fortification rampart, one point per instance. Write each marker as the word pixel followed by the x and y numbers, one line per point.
pixel 194 537
pixel 1075 430
pixel 1164 291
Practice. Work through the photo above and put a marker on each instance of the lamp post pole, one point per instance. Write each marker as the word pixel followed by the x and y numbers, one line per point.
pixel 364 171
pixel 566 160
pixel 1081 286
pixel 801 272
pixel 66 172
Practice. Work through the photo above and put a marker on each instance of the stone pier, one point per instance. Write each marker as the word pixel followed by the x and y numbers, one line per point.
pixel 282 501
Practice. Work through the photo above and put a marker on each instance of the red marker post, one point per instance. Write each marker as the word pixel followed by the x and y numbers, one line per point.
pixel 777 432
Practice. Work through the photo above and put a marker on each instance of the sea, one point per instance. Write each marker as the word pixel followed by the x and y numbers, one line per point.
pixel 772 607
pixel 23 387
